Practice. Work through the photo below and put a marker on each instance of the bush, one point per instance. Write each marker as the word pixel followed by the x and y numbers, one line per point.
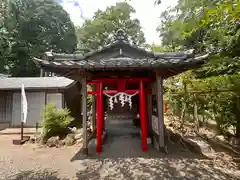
pixel 55 121
pixel 217 98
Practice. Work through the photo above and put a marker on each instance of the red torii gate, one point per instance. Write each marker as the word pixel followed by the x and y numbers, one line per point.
pixel 121 87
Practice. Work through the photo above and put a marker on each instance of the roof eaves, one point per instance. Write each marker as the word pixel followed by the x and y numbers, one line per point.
pixel 115 43
pixel 63 57
pixel 34 88
pixel 176 55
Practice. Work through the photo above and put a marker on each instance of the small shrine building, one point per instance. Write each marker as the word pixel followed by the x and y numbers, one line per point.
pixel 120 72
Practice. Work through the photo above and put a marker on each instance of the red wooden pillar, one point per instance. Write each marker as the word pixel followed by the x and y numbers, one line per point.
pixel 143 116
pixel 100 116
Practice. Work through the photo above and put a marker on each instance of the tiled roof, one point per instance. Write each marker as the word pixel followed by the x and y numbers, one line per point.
pixel 3 75
pixel 117 56
pixel 35 83
pixel 122 62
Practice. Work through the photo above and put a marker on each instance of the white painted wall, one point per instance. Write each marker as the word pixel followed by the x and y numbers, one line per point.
pixel 5 107
pixel 10 106
pixel 36 102
pixel 56 98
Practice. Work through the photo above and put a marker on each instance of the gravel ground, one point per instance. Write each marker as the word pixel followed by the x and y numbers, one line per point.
pixel 122 159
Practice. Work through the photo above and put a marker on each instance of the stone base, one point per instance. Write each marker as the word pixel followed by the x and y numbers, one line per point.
pixel 163 149
pixel 149 140
pixel 157 146
pixel 19 141
pixel 104 135
pixel 93 141
pixel 155 143
pixel 84 151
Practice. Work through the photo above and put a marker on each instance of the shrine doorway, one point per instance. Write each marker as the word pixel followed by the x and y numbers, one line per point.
pixel 121 96
pixel 122 114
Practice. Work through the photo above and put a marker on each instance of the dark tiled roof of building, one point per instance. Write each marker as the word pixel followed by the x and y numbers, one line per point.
pixel 120 55
pixel 121 62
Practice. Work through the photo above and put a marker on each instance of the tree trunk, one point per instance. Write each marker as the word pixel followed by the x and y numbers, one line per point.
pixel 182 120
pixel 196 116
pixel 238 129
pixel 238 118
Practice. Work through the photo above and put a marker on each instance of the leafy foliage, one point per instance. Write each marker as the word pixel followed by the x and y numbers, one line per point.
pixel 32 27
pixel 4 34
pixel 217 98
pixel 205 26
pixel 55 121
pixel 98 32
pixel 211 26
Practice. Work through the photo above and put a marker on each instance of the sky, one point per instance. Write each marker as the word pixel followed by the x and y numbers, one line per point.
pixel 146 12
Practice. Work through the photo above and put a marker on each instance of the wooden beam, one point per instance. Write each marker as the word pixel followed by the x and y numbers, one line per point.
pixel 120 74
pixel 68 73
pixel 160 111
pixel 76 76
pixel 84 113
pixel 130 91
pixel 115 80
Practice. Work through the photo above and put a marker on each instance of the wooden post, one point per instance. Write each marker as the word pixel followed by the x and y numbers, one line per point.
pixel 84 114
pixel 94 109
pixel 21 131
pixel 160 111
pixel 143 116
pixel 37 127
pixel 41 72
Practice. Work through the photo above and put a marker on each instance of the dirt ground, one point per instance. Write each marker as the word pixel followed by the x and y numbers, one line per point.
pixel 121 159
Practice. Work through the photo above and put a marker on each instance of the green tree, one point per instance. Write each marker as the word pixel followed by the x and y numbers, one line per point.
pixel 98 31
pixel 37 26
pixel 204 25
pixel 212 26
pixel 5 43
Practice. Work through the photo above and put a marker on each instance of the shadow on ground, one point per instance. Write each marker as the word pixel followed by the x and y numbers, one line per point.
pixel 122 158
pixel 36 175
pixel 135 169
pixel 153 169
pixel 129 146
pixel 219 148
